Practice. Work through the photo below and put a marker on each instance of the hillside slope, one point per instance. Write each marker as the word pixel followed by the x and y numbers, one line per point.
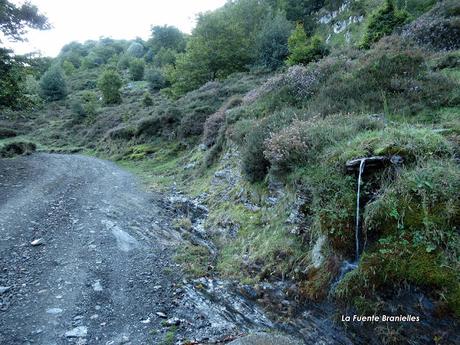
pixel 276 156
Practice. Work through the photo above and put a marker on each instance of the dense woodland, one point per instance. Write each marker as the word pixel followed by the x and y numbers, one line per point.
pixel 256 114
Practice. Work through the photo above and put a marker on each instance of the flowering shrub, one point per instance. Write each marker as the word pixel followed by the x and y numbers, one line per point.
pixel 212 126
pixel 303 141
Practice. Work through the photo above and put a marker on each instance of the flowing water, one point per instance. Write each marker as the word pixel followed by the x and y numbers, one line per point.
pixel 348 266
pixel 361 169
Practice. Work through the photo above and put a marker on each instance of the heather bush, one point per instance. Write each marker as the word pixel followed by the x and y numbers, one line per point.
pixel 302 142
pixel 302 82
pixel 438 29
pixel 193 122
pixel 393 77
pixel 215 122
pixel 254 164
pixel 163 123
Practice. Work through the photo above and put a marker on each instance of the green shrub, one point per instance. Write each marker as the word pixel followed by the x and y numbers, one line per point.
pixel 192 123
pixel 85 104
pixel 163 123
pixel 382 23
pixel 147 100
pixel 215 122
pixel 155 79
pixel 123 62
pixel 136 69
pixel 53 84
pixel 110 83
pixel 68 67
pixel 303 50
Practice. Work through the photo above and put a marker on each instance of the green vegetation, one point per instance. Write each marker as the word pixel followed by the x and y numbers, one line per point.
pixel 383 22
pixel 136 69
pixel 271 41
pixel 110 83
pixel 53 85
pixel 258 115
pixel 303 50
pixel 10 149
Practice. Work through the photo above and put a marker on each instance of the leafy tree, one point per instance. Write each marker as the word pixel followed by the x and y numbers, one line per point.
pixel 168 37
pixel 382 23
pixel 68 67
pixel 302 11
pixel 11 75
pixel 165 56
pixel 92 60
pixel 53 85
pixel 136 50
pixel 14 22
pixel 221 44
pixel 136 69
pixel 110 83
pixel 302 49
pixel 272 41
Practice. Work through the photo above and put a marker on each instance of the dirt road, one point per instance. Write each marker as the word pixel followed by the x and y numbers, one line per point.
pixel 99 272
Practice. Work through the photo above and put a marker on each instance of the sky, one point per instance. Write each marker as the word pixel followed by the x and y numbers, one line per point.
pixel 81 20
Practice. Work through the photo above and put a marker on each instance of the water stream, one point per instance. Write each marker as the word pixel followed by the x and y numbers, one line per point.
pixel 348 266
pixel 361 169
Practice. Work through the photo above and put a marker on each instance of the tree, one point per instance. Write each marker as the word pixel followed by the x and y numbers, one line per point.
pixel 303 50
pixel 110 83
pixel 15 20
pixel 165 56
pixel 136 50
pixel 53 86
pixel 302 11
pixel 168 37
pixel 136 69
pixel 382 23
pixel 11 75
pixel 221 44
pixel 271 45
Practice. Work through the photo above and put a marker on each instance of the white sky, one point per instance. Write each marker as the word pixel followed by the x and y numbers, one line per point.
pixel 81 20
